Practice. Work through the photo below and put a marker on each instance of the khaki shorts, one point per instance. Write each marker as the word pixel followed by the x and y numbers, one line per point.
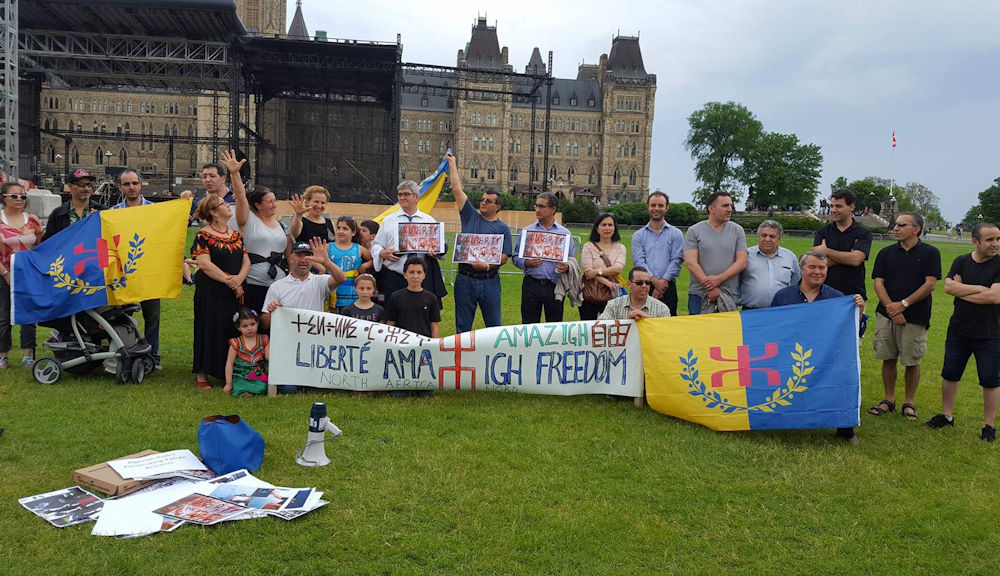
pixel 907 342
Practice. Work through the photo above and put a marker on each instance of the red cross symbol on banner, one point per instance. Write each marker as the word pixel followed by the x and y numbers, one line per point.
pixel 458 369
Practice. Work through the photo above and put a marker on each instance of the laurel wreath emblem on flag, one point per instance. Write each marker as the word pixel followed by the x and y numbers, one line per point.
pixel 75 285
pixel 782 396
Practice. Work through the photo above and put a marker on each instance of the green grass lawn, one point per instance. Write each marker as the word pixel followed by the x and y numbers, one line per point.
pixel 482 483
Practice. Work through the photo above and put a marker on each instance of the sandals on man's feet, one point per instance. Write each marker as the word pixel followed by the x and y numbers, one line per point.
pixel 883 407
pixel 909 410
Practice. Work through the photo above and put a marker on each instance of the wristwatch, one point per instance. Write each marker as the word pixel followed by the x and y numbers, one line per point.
pixel 904 303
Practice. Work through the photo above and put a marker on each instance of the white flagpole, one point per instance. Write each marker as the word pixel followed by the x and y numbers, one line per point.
pixel 892 159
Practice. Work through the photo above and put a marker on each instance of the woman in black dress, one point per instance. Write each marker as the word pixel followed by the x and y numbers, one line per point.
pixel 223 265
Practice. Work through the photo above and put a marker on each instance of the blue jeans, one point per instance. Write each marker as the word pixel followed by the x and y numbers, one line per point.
pixel 469 292
pixel 694 304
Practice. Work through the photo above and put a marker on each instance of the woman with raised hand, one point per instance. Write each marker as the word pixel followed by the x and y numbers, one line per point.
pixel 310 219
pixel 603 259
pixel 268 240
pixel 20 231
pixel 223 266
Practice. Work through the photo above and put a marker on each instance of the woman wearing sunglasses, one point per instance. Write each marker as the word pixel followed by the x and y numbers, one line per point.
pixel 20 231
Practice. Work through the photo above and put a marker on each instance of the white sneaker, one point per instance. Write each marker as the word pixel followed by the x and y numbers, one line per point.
pixel 27 362
pixel 4 363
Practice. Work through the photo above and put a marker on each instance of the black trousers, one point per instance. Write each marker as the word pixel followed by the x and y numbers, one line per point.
pixel 538 296
pixel 670 297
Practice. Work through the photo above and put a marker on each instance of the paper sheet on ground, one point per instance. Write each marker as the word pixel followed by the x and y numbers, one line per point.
pixel 133 515
pixel 157 464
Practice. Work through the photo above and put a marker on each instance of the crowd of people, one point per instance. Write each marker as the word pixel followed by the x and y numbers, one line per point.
pixel 249 263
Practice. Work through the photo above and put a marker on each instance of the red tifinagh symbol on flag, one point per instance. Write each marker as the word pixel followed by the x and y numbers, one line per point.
pixel 893 138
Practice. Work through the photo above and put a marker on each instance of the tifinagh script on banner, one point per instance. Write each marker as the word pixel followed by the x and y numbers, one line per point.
pixel 331 351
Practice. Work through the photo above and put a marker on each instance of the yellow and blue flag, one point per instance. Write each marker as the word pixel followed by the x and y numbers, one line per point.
pixel 428 194
pixel 775 368
pixel 110 257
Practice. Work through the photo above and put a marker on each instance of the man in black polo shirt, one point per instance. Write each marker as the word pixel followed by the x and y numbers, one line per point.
pixel 974 328
pixel 846 245
pixel 905 274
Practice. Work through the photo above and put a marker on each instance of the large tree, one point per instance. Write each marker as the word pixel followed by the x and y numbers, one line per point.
pixel 989 203
pixel 869 194
pixel 782 171
pixel 721 138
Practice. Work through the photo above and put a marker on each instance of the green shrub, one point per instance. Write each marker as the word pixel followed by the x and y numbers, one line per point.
pixel 682 214
pixel 630 214
pixel 579 211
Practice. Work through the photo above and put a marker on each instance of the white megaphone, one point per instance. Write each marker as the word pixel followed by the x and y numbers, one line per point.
pixel 314 453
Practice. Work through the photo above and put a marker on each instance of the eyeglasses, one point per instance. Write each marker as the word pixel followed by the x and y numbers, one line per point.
pixel 219 205
pixel 487 201
pixel 901 224
pixel 642 282
pixel 404 194
pixel 87 185
pixel 16 196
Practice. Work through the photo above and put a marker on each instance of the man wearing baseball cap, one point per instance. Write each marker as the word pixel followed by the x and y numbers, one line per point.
pixel 80 204
pixel 301 288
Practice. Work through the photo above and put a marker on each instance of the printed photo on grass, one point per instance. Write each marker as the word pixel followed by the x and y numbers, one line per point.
pixel 201 509
pixel 65 507
pixel 419 237
pixel 545 245
pixel 470 248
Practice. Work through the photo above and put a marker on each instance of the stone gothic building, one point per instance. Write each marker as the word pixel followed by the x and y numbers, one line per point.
pixel 600 128
pixel 139 114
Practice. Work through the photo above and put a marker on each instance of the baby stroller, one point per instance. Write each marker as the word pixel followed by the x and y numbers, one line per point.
pixel 107 336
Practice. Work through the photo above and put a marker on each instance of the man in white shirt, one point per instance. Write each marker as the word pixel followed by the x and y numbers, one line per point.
pixel 386 243
pixel 301 288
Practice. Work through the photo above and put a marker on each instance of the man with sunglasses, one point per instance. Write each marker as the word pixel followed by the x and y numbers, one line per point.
pixel 478 283
pixel 130 184
pixel 637 304
pixel 905 275
pixel 79 206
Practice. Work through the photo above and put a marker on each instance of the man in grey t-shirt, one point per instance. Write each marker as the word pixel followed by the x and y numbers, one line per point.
pixel 715 252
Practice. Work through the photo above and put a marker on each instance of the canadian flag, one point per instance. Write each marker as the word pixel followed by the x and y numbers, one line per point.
pixel 893 138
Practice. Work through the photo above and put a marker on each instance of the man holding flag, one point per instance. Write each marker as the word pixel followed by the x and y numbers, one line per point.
pixel 478 283
pixel 386 242
pixel 130 184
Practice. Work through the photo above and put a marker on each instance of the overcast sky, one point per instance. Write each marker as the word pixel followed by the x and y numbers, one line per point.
pixel 842 75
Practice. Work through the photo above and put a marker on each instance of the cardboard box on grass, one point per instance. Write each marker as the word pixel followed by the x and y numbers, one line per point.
pixel 103 478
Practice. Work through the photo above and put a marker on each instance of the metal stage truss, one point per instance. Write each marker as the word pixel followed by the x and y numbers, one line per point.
pixel 304 111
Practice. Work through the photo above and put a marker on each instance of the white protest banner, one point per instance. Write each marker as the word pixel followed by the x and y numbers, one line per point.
pixel 331 351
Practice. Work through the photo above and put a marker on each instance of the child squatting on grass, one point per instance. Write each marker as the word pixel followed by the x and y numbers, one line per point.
pixel 246 370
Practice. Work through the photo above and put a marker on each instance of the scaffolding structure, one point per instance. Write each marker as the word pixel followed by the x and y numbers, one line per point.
pixel 323 111
pixel 8 85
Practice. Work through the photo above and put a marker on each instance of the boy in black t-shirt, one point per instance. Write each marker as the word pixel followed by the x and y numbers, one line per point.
pixel 974 329
pixel 414 308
